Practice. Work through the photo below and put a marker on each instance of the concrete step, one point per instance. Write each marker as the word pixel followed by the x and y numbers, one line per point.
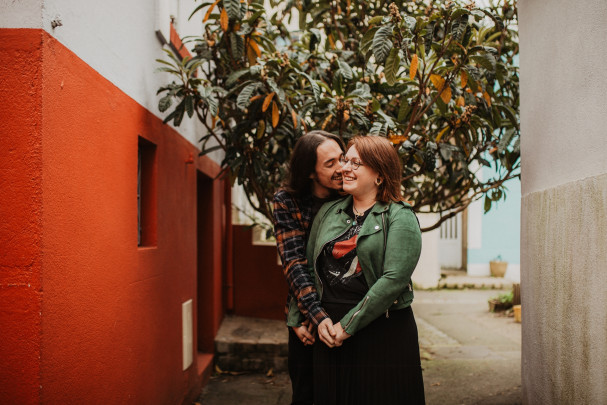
pixel 251 344
pixel 452 281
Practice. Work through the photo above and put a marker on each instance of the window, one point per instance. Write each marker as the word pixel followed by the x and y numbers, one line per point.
pixel 146 193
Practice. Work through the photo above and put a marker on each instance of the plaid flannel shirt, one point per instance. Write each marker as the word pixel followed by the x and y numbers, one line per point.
pixel 293 219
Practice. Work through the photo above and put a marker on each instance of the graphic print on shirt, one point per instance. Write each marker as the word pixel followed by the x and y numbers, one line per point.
pixel 344 266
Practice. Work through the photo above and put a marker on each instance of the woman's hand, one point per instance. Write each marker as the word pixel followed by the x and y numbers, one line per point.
pixel 326 332
pixel 341 334
pixel 304 333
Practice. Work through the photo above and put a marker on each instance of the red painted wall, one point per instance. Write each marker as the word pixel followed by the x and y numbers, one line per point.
pixel 20 216
pixel 110 329
pixel 260 289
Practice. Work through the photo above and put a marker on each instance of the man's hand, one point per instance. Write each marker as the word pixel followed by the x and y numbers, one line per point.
pixel 304 333
pixel 326 332
pixel 341 334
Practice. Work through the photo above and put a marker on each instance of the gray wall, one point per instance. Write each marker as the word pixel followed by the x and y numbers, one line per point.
pixel 564 201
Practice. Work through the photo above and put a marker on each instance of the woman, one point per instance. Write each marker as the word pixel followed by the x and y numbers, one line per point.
pixel 362 251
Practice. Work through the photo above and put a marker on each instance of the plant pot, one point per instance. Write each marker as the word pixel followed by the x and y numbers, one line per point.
pixel 498 268
pixel 517 313
pixel 497 306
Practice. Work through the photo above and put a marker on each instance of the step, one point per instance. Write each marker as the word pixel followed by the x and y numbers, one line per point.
pixel 461 282
pixel 246 344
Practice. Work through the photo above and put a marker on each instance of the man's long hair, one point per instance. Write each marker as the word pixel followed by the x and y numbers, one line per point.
pixel 303 161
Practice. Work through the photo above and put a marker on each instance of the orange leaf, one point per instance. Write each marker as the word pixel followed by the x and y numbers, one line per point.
pixel 251 56
pixel 294 116
pixel 224 20
pixel 266 102
pixel 464 78
pixel 253 45
pixel 413 67
pixel 331 41
pixel 257 97
pixel 397 139
pixel 326 122
pixel 445 95
pixel 460 101
pixel 275 114
pixel 437 81
pixel 441 133
pixel 487 98
pixel 209 11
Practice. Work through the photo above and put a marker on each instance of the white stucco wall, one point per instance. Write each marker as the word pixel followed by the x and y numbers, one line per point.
pixel 563 65
pixel 117 38
pixel 427 272
pixel 21 14
pixel 564 188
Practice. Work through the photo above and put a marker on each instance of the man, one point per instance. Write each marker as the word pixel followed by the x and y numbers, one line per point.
pixel 314 178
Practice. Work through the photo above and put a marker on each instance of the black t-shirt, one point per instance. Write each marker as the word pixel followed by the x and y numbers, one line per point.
pixel 338 267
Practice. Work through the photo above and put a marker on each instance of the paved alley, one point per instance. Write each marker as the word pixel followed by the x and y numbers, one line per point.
pixel 469 356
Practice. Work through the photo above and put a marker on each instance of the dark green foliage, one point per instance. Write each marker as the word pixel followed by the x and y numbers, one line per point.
pixel 260 85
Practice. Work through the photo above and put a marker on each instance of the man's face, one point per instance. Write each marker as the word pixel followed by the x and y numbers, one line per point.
pixel 328 170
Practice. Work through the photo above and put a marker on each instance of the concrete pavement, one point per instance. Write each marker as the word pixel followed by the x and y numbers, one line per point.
pixel 469 356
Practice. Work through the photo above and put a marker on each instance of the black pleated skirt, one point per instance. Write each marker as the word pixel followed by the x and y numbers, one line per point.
pixel 378 365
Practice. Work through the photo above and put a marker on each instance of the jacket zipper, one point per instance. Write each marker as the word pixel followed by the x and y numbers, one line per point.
pixel 356 313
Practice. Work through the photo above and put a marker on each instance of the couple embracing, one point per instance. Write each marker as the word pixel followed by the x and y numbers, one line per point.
pixel 348 258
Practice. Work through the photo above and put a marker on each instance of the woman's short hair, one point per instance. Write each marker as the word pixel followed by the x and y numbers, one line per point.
pixel 379 154
pixel 303 161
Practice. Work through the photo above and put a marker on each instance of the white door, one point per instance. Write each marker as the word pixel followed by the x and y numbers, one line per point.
pixel 450 243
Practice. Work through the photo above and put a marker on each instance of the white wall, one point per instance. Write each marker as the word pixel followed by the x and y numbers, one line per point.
pixel 563 57
pixel 117 38
pixel 563 63
pixel 427 272
pixel 21 14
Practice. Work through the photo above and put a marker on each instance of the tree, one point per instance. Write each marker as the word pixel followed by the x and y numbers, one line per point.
pixel 438 79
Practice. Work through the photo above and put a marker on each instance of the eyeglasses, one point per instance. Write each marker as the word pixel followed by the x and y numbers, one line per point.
pixel 343 161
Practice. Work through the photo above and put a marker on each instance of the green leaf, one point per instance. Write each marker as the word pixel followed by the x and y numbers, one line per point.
pixel 244 98
pixel 382 43
pixel 189 105
pixel 237 44
pixel 487 204
pixel 509 113
pixel 345 69
pixel 315 88
pixel 486 60
pixel 410 22
pixel 392 65
pixel 403 111
pixel 458 12
pixel 376 20
pixel 459 27
pixel 233 9
pixel 234 76
pixel 367 40
pixel 505 140
pixel 210 149
pixel 164 103
pixel 499 23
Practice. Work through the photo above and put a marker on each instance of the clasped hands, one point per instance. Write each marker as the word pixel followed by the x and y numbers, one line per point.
pixel 333 335
pixel 330 334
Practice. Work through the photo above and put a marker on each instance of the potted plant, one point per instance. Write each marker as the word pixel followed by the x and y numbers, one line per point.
pixel 498 267
pixel 501 303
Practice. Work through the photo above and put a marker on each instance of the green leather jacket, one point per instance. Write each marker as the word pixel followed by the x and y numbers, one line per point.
pixel 388 248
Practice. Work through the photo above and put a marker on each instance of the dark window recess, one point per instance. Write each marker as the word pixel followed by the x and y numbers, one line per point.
pixel 146 193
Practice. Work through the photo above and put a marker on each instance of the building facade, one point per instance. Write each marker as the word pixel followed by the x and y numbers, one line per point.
pixel 563 211
pixel 114 236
